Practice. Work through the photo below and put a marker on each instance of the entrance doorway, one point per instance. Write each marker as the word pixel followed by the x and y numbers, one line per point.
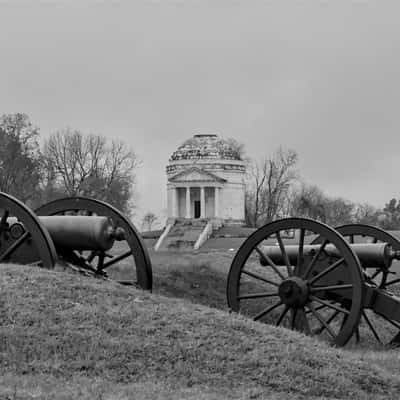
pixel 197 209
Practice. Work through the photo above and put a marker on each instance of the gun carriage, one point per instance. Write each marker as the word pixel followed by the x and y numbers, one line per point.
pixel 87 235
pixel 329 282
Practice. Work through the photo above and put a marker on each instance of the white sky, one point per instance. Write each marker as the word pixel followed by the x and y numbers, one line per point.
pixel 319 77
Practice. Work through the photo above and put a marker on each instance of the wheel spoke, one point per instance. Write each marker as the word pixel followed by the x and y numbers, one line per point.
pixel 256 276
pixel 328 321
pixel 300 253
pixel 284 254
pixel 256 295
pixel 3 220
pixel 392 282
pixel 117 258
pixel 100 263
pixel 316 308
pixel 329 305
pixel 321 320
pixel 293 318
pixel 345 317
pixel 378 271
pixel 268 260
pixel 332 287
pixel 315 258
pixel 326 271
pixel 299 321
pixel 397 325
pixel 91 257
pixel 357 332
pixel 284 312
pixel 371 327
pixel 14 246
pixel 267 310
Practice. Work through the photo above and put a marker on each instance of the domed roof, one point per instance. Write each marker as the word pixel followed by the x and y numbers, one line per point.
pixel 207 146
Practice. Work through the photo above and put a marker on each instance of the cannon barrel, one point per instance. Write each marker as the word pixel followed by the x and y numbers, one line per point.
pixel 371 255
pixel 75 232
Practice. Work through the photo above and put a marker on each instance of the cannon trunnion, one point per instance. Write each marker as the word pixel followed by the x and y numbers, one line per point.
pixel 88 235
pixel 321 283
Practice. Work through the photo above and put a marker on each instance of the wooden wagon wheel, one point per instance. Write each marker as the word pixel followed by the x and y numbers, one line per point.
pixel 23 239
pixel 128 255
pixel 291 294
pixel 382 277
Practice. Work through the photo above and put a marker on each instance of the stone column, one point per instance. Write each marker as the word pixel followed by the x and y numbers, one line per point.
pixel 187 202
pixel 173 202
pixel 216 202
pixel 202 202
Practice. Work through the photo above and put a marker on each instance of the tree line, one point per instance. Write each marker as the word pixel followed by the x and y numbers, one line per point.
pixel 67 163
pixel 70 163
pixel 274 189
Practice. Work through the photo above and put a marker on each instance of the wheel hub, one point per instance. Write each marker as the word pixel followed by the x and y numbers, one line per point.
pixel 293 292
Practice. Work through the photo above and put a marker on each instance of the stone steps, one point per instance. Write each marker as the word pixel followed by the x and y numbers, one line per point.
pixel 183 235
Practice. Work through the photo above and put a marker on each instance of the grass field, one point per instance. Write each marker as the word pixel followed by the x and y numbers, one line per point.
pixel 66 336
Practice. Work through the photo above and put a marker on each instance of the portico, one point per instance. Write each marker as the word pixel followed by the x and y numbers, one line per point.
pixel 195 200
pixel 195 193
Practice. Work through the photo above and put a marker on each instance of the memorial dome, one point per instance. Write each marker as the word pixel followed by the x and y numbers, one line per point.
pixel 207 146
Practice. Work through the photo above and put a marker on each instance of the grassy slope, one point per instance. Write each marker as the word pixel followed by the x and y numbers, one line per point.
pixel 66 336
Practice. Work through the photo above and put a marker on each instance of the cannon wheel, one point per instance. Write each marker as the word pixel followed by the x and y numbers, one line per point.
pixel 97 261
pixel 249 283
pixel 353 233
pixel 39 248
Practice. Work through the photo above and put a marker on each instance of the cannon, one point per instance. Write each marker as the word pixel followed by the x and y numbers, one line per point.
pixel 336 284
pixel 86 235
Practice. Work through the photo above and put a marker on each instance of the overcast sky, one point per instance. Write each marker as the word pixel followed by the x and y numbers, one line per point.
pixel 322 78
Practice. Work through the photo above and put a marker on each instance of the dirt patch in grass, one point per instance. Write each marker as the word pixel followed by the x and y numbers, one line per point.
pixel 63 328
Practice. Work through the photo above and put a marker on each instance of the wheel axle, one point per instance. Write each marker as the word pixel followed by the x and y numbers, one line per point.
pixel 294 292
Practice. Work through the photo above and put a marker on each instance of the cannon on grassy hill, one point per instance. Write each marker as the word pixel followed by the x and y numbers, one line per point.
pixel 87 235
pixel 338 283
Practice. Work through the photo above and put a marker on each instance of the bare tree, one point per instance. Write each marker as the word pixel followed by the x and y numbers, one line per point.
pixel 148 220
pixel 367 214
pixel 311 202
pixel 390 217
pixel 90 165
pixel 268 185
pixel 339 211
pixel 20 158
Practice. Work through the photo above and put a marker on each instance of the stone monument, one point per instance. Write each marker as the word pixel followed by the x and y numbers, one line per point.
pixel 206 180
pixel 206 190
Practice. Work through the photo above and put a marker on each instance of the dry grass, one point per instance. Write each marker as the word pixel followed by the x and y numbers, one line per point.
pixel 64 336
